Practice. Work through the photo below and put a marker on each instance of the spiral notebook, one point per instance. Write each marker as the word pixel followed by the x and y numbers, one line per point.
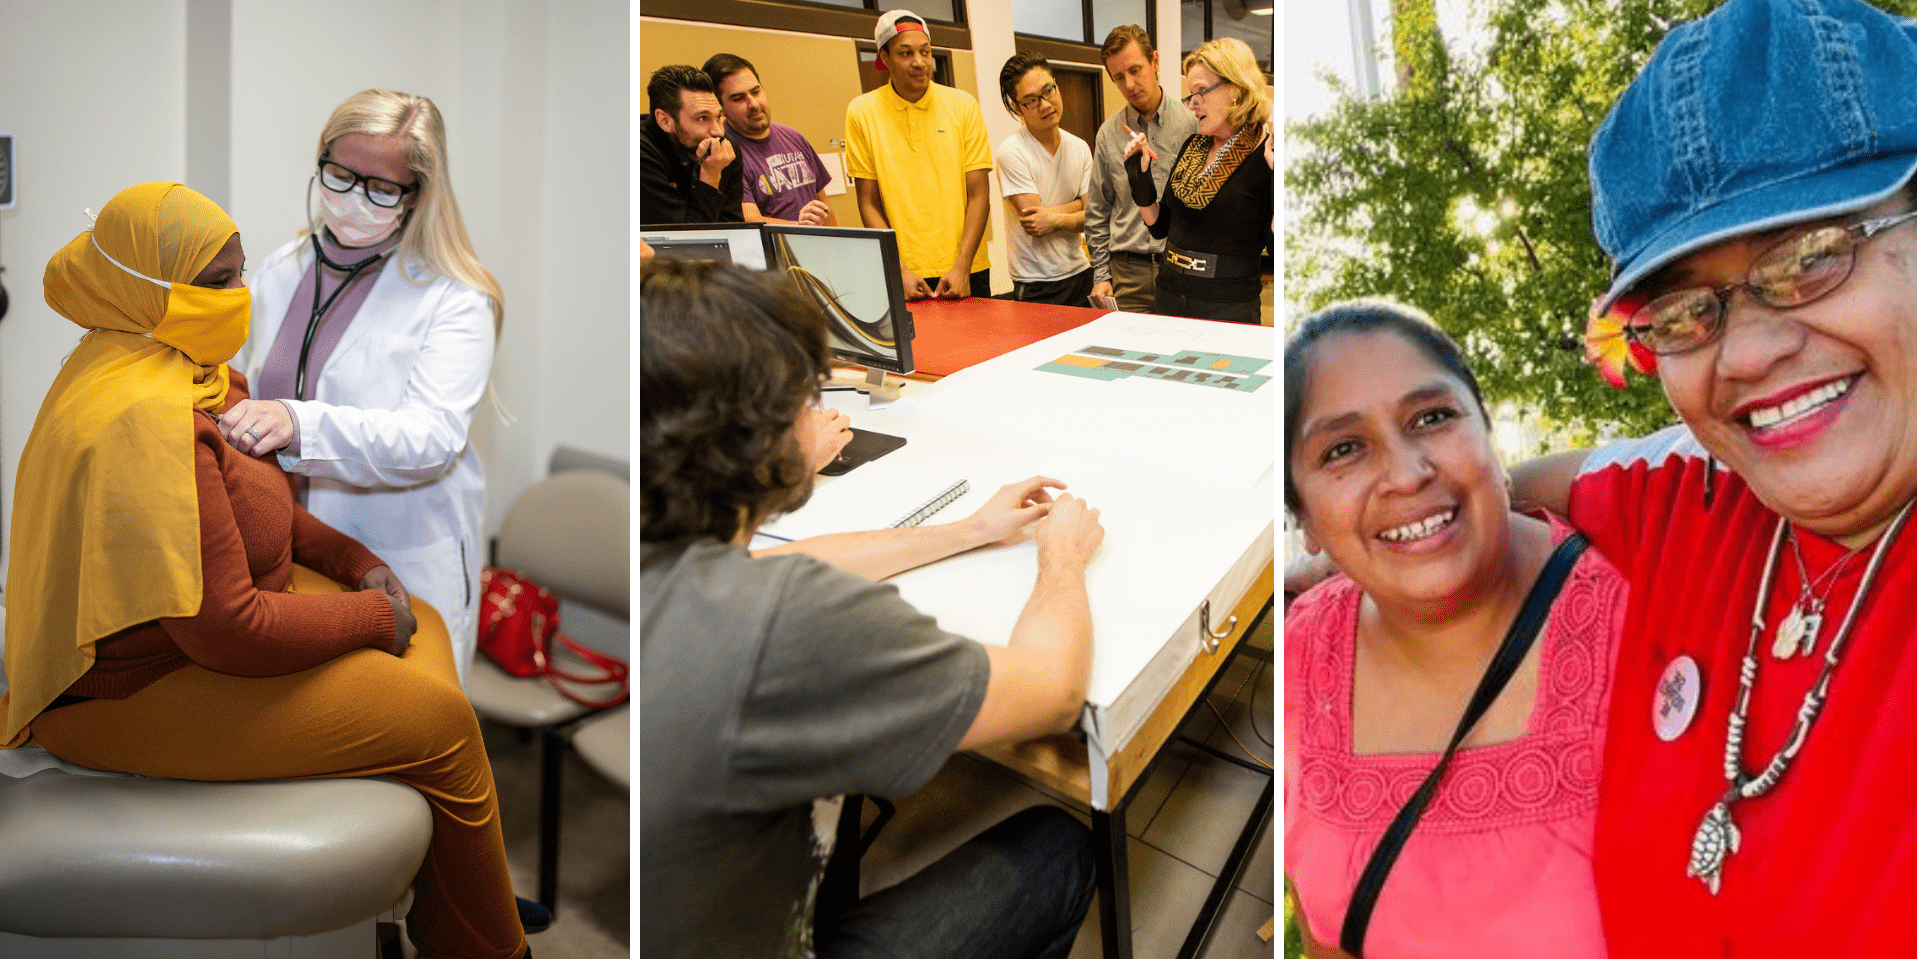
pixel 881 494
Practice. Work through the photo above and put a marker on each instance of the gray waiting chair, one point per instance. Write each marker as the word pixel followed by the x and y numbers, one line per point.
pixel 570 534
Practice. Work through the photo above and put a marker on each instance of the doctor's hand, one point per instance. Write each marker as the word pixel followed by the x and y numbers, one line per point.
pixel 915 288
pixel 257 427
pixel 715 154
pixel 956 284
pixel 382 579
pixel 831 431
pixel 1014 507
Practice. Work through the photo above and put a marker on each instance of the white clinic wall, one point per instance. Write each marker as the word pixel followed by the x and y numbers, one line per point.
pixel 94 94
pixel 534 95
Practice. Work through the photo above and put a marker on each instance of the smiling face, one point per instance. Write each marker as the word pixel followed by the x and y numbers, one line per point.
pixel 1814 406
pixel 743 99
pixel 908 61
pixel 1210 108
pixel 1395 475
pixel 1043 115
pixel 1136 77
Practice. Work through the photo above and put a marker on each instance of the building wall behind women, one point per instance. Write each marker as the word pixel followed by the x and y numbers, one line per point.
pixel 536 99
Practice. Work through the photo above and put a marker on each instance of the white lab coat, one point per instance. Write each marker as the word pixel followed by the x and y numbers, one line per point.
pixel 384 439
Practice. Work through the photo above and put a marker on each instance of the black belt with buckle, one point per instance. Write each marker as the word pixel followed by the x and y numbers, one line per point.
pixel 1209 266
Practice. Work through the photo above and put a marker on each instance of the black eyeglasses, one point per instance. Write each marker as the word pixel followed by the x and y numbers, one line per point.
pixel 1794 271
pixel 340 178
pixel 1045 92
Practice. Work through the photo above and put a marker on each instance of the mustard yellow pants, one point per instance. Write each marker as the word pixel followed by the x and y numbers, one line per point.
pixel 366 713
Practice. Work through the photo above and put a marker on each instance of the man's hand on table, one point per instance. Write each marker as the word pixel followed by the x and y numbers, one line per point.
pixel 915 287
pixel 1070 534
pixel 1014 507
pixel 831 431
pixel 956 284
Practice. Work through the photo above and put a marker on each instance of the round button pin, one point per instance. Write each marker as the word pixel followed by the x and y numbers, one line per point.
pixel 1674 703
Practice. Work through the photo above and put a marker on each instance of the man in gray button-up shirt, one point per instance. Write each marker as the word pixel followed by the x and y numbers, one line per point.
pixel 1122 248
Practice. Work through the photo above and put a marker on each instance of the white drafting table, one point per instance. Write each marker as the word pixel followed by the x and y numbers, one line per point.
pixel 1175 543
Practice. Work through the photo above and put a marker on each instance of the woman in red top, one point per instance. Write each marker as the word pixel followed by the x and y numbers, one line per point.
pixel 1753 188
pixel 154 631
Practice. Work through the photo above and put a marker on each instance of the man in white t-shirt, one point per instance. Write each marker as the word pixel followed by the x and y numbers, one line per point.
pixel 1043 173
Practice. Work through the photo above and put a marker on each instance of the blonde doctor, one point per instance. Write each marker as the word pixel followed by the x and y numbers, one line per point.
pixel 371 351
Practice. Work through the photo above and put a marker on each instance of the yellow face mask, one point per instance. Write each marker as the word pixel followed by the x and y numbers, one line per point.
pixel 209 325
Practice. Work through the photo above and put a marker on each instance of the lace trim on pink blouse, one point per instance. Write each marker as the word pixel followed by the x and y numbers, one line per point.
pixel 1549 773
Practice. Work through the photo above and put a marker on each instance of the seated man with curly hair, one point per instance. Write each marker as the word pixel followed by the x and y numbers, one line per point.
pixel 774 685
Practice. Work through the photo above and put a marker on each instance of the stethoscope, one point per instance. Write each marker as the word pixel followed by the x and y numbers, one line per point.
pixel 320 309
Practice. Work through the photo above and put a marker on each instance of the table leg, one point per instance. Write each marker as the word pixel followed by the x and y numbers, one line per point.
pixel 1114 887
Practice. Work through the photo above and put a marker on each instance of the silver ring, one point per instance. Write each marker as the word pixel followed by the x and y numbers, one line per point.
pixel 255 434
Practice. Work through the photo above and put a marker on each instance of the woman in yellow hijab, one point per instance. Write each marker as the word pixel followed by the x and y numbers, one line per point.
pixel 154 626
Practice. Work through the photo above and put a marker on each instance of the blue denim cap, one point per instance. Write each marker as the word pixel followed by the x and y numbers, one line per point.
pixel 1763 114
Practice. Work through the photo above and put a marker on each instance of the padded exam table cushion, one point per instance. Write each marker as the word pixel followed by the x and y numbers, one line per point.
pixel 120 856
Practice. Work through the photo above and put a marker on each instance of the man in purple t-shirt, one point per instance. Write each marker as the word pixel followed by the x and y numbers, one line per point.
pixel 784 178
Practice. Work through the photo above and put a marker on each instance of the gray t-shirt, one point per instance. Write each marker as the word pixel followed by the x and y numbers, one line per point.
pixel 769 688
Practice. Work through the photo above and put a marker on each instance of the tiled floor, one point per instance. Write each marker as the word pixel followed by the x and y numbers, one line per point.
pixel 1182 824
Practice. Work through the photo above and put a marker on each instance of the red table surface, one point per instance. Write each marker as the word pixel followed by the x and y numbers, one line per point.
pixel 950 335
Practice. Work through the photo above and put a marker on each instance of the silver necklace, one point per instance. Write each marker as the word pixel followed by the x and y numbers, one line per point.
pixel 1717 835
pixel 1797 634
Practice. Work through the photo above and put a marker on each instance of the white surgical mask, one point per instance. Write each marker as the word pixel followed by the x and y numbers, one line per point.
pixel 354 220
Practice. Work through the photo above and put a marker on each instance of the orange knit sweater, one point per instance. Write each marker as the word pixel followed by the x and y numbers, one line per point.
pixel 251 532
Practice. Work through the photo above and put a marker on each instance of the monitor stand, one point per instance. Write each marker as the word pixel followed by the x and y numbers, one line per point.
pixel 878 388
pixel 873 383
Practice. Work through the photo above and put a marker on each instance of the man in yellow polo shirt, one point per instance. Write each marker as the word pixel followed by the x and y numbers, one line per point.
pixel 918 157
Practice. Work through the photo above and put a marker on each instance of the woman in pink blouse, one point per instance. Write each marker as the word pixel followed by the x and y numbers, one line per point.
pixel 1390 473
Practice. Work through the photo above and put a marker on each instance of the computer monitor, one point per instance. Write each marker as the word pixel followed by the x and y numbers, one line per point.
pixel 742 243
pixel 853 275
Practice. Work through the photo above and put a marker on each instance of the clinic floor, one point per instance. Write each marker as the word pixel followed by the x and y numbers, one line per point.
pixel 1182 824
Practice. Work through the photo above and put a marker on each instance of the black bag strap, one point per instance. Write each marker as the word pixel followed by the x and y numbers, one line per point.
pixel 1517 642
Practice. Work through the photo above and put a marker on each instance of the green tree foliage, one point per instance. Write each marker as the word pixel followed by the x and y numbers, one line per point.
pixel 1464 192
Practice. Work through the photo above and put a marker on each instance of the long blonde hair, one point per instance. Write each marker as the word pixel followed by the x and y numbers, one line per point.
pixel 1231 59
pixel 438 237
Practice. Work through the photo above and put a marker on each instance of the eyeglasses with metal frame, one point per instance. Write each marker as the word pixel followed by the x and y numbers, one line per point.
pixel 1197 94
pixel 340 178
pixel 1792 272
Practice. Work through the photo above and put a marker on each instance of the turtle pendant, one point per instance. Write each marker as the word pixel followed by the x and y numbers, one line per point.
pixel 1716 839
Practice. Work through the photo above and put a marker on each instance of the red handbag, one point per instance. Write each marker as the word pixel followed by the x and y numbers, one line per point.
pixel 518 625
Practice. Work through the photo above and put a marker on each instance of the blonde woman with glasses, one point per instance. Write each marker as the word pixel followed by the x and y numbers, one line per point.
pixel 372 348
pixel 1215 211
